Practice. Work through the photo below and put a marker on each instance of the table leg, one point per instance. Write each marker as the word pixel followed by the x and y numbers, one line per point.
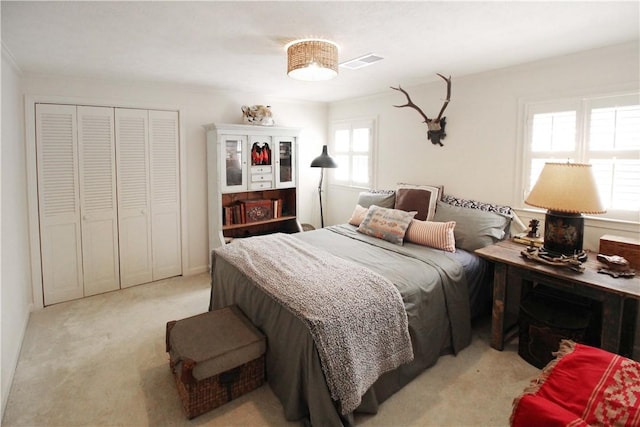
pixel 630 335
pixel 499 301
pixel 612 313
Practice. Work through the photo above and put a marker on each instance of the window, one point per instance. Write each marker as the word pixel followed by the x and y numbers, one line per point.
pixel 353 147
pixel 602 131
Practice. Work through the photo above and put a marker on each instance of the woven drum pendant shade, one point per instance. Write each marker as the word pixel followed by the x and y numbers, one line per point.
pixel 312 60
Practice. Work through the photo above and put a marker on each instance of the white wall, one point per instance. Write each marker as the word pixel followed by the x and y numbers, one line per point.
pixel 200 106
pixel 478 159
pixel 481 152
pixel 15 287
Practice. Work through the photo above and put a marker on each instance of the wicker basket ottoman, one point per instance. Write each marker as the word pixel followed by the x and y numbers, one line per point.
pixel 215 357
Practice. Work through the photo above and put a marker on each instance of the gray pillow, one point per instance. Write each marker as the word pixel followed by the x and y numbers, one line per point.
pixel 382 198
pixel 483 206
pixel 474 228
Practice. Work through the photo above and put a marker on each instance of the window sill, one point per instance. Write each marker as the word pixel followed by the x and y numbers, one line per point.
pixel 590 220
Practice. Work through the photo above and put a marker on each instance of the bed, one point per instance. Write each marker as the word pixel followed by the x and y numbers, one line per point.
pixel 440 292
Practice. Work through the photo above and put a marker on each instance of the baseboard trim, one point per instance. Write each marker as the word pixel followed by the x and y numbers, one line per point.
pixel 196 270
pixel 15 358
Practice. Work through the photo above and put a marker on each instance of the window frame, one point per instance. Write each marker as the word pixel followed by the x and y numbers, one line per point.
pixel 350 125
pixel 582 105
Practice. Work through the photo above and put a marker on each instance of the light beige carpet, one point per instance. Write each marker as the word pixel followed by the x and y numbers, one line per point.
pixel 101 361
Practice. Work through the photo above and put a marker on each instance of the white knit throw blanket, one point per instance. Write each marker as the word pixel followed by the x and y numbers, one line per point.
pixel 356 317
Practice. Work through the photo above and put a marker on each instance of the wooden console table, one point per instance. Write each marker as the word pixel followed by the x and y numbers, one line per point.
pixel 619 297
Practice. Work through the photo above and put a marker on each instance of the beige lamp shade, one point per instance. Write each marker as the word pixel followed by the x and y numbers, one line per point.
pixel 312 60
pixel 566 187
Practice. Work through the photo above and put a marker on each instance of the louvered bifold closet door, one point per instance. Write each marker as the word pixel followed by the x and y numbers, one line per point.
pixel 134 199
pixel 59 202
pixel 96 150
pixel 165 194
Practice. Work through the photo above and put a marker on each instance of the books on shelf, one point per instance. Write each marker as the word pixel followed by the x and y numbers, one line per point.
pixel 233 214
pixel 277 208
pixel 250 211
pixel 524 239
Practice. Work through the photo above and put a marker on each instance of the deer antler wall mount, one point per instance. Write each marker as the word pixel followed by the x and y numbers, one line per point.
pixel 436 126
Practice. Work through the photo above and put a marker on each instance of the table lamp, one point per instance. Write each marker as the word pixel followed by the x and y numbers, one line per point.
pixel 566 190
pixel 322 161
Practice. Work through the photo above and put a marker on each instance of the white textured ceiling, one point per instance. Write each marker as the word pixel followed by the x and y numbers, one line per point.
pixel 239 45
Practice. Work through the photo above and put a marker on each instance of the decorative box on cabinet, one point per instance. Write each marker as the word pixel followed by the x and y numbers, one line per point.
pixel 251 163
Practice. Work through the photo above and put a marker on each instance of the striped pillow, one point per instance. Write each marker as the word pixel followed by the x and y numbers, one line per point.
pixel 437 235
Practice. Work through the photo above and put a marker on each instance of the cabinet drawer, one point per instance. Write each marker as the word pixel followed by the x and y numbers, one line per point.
pixel 261 185
pixel 261 169
pixel 261 177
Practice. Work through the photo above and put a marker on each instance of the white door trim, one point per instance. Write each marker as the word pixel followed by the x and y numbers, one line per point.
pixel 32 179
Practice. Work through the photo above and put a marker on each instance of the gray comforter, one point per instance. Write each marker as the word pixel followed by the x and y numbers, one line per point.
pixel 356 316
pixel 433 287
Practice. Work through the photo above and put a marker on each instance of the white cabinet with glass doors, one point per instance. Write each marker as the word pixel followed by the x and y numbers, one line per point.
pixel 250 163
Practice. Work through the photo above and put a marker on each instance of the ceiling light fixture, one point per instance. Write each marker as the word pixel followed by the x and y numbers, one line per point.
pixel 312 59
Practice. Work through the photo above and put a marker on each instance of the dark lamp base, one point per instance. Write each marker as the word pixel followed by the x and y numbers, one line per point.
pixel 564 234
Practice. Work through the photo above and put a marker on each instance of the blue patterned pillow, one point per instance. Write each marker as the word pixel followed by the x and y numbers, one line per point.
pixel 386 224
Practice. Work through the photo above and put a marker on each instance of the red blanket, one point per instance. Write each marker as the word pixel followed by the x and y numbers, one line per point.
pixel 583 386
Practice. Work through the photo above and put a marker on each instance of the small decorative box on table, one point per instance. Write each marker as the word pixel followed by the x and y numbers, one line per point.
pixel 215 357
pixel 625 247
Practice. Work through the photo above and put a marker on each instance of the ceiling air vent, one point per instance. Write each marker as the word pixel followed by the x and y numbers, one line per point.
pixel 361 61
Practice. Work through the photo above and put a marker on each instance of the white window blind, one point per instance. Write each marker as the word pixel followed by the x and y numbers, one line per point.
pixel 602 131
pixel 614 152
pixel 352 149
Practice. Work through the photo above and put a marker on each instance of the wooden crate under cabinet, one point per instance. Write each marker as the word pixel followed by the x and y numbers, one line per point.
pixel 625 247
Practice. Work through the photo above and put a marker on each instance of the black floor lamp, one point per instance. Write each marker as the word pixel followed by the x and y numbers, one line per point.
pixel 322 161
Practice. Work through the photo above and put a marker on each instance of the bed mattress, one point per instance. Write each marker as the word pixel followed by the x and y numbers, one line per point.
pixel 440 291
